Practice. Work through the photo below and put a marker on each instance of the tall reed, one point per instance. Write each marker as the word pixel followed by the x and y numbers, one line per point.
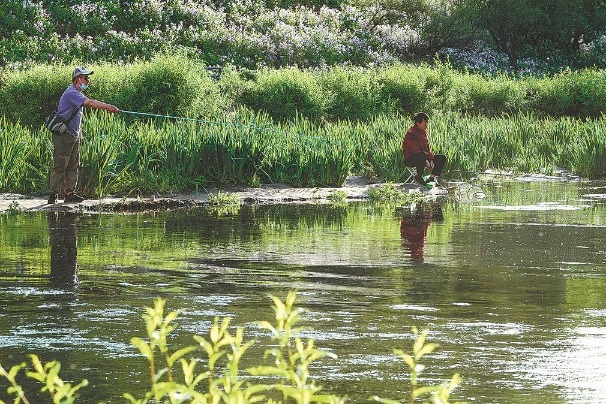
pixel 24 158
pixel 248 148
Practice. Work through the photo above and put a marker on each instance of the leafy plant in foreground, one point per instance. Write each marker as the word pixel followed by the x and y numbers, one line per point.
pixel 224 350
pixel 292 356
pixel 48 375
pixel 218 378
pixel 438 394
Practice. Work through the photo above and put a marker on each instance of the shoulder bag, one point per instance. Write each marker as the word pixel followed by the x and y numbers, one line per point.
pixel 57 124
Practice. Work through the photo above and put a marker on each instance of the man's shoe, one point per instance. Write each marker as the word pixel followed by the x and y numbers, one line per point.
pixel 433 181
pixel 73 198
pixel 419 178
pixel 52 199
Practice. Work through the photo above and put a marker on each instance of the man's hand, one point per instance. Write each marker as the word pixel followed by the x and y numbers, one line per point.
pixel 113 109
pixel 101 105
pixel 429 164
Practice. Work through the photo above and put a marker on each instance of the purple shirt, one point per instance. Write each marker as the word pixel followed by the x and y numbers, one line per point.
pixel 70 101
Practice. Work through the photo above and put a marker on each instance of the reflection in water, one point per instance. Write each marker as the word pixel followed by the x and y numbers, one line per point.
pixel 413 228
pixel 64 251
pixel 515 298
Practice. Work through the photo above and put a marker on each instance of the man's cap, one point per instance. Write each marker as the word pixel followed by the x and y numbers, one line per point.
pixel 81 71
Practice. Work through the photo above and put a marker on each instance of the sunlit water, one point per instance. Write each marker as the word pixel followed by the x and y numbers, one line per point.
pixel 511 286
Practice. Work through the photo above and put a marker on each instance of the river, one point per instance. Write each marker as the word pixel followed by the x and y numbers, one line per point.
pixel 511 286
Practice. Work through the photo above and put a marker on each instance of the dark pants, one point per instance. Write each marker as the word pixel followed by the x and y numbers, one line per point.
pixel 419 160
pixel 66 159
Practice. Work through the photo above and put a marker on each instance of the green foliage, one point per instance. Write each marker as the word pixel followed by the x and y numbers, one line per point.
pixel 292 357
pixel 303 33
pixel 14 208
pixel 123 158
pixel 24 159
pixel 222 380
pixel 30 95
pixel 46 374
pixel 389 193
pixel 224 199
pixel 403 85
pixel 168 84
pixel 569 94
pixel 438 394
pixel 286 94
pixel 338 197
pixel 354 94
pixel 177 85
pixel 224 203
pixel 180 375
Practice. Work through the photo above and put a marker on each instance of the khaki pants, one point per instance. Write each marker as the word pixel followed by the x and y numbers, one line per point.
pixel 66 161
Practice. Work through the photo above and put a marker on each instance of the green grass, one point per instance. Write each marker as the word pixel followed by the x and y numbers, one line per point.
pixel 248 148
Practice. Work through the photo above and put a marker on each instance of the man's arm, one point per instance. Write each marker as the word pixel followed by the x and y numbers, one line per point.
pixel 101 105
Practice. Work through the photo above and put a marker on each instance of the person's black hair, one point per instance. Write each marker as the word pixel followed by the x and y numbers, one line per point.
pixel 420 117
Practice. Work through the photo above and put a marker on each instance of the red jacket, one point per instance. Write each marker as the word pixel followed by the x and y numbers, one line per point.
pixel 416 141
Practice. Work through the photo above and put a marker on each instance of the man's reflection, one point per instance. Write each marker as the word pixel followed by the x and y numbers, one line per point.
pixel 63 260
pixel 413 228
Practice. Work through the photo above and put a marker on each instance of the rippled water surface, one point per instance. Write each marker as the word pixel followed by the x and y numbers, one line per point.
pixel 512 287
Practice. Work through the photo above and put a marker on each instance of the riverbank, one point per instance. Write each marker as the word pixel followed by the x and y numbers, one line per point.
pixel 355 188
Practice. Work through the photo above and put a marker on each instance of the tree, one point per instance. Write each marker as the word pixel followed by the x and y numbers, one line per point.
pixel 573 23
pixel 513 25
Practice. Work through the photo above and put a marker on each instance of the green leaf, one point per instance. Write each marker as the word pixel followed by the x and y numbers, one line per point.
pixel 419 342
pixel 179 353
pixel 424 390
pixel 409 361
pixel 36 363
pixel 428 348
pixel 15 370
pixel 267 371
pixel 143 347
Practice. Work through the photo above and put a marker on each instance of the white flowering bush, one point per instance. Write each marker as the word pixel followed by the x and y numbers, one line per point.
pixel 245 33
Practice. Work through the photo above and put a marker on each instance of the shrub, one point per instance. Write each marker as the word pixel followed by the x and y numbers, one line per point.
pixel 354 94
pixel 30 95
pixel 493 97
pixel 168 84
pixel 285 94
pixel 404 86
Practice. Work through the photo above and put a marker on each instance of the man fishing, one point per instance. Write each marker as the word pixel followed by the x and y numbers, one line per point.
pixel 66 147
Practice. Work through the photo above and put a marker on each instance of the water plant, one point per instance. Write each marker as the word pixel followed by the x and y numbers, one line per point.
pixel 13 208
pixel 386 193
pixel 45 373
pixel 223 203
pixel 438 394
pixel 222 376
pixel 337 197
pixel 181 375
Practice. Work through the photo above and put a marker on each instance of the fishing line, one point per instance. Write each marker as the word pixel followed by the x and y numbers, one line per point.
pixel 312 140
pixel 234 124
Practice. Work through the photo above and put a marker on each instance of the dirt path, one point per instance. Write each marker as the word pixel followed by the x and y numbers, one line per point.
pixel 355 187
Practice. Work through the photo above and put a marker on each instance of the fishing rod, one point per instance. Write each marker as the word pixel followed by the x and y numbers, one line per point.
pixel 234 124
pixel 182 118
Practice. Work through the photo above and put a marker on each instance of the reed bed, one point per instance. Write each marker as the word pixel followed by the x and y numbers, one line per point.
pixel 247 148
